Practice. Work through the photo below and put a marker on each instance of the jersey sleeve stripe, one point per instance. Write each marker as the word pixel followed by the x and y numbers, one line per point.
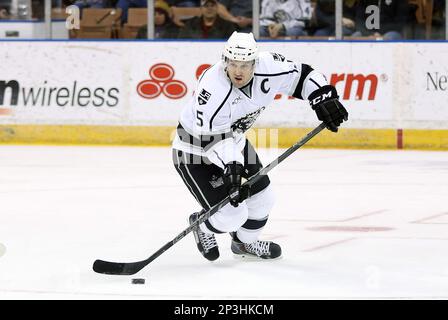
pixel 306 70
pixel 275 74
pixel 222 104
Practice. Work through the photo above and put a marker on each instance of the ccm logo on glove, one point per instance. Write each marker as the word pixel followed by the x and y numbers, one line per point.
pixel 328 108
pixel 321 98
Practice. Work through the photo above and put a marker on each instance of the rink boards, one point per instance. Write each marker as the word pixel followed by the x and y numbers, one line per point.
pixel 132 93
pixel 261 137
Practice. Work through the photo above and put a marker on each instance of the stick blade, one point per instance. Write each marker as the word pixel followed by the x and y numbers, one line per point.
pixel 117 268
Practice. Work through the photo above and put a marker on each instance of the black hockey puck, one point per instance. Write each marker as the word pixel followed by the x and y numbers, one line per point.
pixel 138 281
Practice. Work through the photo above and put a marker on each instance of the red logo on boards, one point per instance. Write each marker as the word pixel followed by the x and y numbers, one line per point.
pixel 200 70
pixel 364 86
pixel 361 81
pixel 161 81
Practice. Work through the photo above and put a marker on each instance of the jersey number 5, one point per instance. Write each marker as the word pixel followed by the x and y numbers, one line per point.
pixel 199 117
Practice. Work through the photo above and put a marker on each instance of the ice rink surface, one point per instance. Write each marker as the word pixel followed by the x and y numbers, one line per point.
pixel 352 224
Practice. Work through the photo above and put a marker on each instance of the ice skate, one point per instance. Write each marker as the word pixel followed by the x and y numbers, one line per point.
pixel 206 242
pixel 258 249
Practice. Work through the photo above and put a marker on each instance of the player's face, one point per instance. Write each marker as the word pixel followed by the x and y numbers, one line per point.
pixel 240 72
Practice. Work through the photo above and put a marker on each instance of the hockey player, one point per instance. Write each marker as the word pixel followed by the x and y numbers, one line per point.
pixel 212 154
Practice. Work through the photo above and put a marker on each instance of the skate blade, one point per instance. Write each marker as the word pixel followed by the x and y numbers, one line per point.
pixel 249 257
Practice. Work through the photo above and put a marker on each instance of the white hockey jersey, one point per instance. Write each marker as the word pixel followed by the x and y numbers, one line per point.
pixel 290 13
pixel 213 122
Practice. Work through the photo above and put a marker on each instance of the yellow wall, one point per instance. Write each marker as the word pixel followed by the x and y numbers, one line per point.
pixel 281 137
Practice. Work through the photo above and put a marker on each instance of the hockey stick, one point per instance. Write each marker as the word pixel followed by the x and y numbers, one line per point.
pixel 129 268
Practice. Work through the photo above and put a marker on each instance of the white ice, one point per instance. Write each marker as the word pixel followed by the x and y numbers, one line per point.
pixel 352 224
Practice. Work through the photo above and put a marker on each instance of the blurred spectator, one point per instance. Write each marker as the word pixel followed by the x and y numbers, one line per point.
pixel 124 5
pixel 38 9
pixel 222 12
pixel 241 10
pixel 284 17
pixel 438 20
pixel 209 25
pixel 164 27
pixel 4 9
pixel 83 4
pixel 325 14
pixel 393 14
pixel 19 9
pixel 38 6
pixel 184 3
pixel 3 14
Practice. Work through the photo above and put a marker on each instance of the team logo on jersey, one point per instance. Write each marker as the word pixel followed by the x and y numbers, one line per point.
pixel 241 125
pixel 216 181
pixel 237 100
pixel 203 97
pixel 161 81
pixel 278 57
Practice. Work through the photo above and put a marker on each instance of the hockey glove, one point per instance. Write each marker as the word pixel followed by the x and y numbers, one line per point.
pixel 328 108
pixel 232 179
